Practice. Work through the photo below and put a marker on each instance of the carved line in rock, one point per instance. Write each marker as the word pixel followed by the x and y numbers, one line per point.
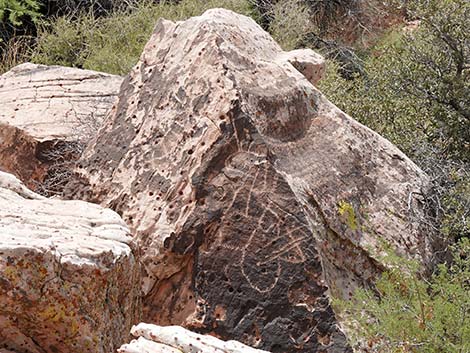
pixel 255 181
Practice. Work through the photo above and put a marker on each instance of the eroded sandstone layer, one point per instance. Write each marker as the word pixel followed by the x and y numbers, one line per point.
pixel 250 195
pixel 42 107
pixel 68 278
pixel 175 339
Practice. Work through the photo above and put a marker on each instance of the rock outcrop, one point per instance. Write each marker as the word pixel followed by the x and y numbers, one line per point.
pixel 45 111
pixel 68 278
pixel 175 339
pixel 250 195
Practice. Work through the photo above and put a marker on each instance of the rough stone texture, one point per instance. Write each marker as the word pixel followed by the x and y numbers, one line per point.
pixel 67 274
pixel 307 62
pixel 175 339
pixel 249 193
pixel 43 105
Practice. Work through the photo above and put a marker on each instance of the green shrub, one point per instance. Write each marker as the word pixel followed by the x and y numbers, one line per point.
pixel 290 21
pixel 15 10
pixel 406 313
pixel 438 68
pixel 417 85
pixel 114 43
pixel 455 206
pixel 66 41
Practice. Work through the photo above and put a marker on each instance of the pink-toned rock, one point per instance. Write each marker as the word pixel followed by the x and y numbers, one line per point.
pixel 251 196
pixel 46 111
pixel 69 282
pixel 307 62
pixel 175 339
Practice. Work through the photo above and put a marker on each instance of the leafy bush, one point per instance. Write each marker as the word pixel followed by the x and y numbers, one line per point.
pixel 65 42
pixel 409 314
pixel 417 85
pixel 114 43
pixel 455 206
pixel 438 68
pixel 15 10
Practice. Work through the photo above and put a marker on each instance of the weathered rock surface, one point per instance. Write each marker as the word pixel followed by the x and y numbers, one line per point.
pixel 67 274
pixel 250 194
pixel 42 106
pixel 175 339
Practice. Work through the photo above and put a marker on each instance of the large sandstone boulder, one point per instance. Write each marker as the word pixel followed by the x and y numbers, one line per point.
pixel 68 278
pixel 175 339
pixel 251 196
pixel 45 111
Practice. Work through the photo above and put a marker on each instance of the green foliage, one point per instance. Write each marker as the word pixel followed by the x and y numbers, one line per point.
pixel 417 85
pixel 290 22
pixel 455 203
pixel 409 314
pixel 438 67
pixel 66 42
pixel 15 10
pixel 114 43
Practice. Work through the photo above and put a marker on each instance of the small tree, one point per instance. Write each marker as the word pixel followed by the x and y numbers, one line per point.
pixel 435 67
pixel 417 83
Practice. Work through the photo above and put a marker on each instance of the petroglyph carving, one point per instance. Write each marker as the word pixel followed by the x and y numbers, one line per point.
pixel 276 236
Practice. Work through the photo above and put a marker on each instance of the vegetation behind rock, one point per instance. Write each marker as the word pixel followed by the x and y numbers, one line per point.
pixel 410 83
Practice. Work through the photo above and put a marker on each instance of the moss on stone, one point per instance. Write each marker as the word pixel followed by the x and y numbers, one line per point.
pixel 346 211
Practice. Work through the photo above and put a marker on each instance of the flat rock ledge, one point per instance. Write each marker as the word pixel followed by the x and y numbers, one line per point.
pixel 67 274
pixel 44 105
pixel 175 339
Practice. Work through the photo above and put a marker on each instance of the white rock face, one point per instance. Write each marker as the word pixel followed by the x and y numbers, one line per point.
pixel 68 278
pixel 54 102
pixel 42 105
pixel 175 339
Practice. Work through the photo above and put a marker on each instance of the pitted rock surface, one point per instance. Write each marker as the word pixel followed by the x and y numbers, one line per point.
pixel 44 105
pixel 249 193
pixel 175 339
pixel 68 277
